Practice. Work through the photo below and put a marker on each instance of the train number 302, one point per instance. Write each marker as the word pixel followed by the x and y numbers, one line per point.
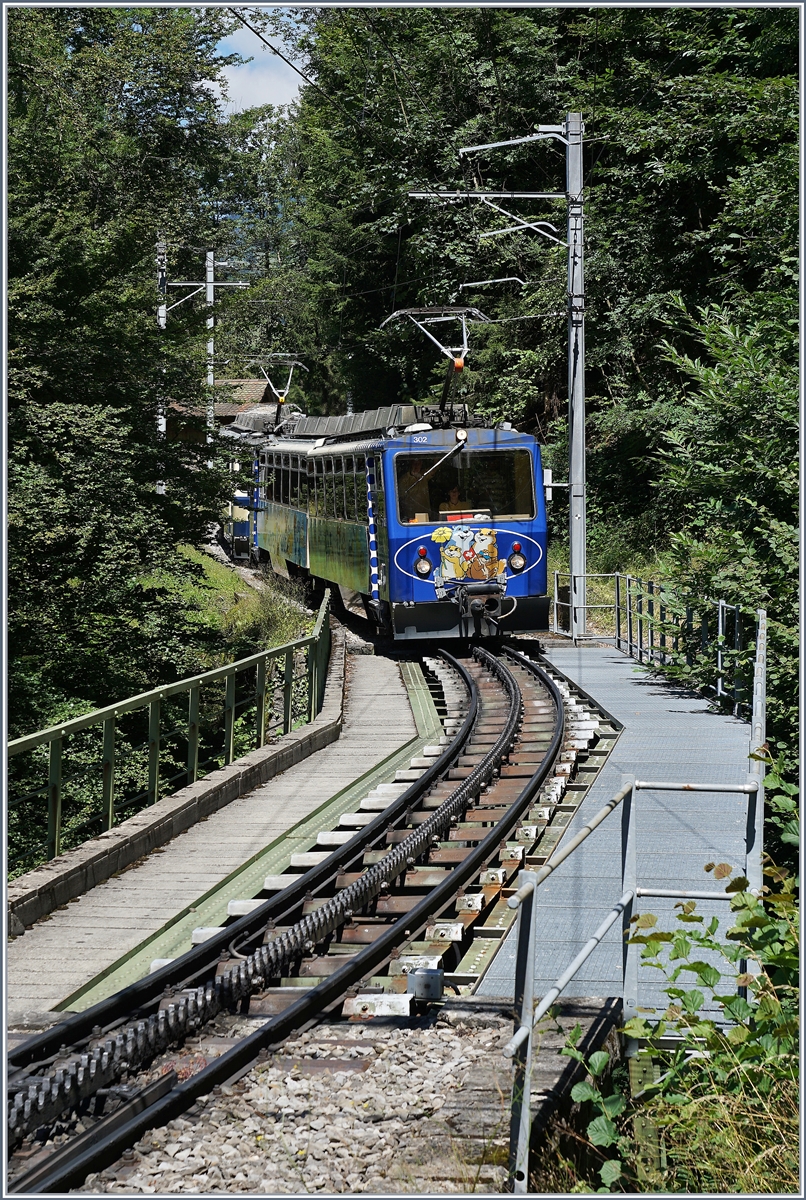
pixel 419 439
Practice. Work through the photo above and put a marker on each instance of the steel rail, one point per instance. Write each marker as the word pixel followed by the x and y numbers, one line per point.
pixel 202 959
pixel 80 1073
pixel 108 1148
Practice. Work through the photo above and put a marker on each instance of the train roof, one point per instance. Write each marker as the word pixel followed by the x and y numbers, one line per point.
pixel 263 423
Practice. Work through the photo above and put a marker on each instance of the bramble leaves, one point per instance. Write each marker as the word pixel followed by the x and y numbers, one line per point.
pixel 598 1061
pixel 611 1172
pixel 602 1132
pixel 581 1092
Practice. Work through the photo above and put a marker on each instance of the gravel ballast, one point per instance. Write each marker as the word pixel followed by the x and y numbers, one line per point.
pixel 345 1108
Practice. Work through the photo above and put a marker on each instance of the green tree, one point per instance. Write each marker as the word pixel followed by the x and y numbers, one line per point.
pixel 114 140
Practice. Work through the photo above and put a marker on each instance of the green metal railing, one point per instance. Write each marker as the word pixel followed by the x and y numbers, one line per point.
pixel 137 751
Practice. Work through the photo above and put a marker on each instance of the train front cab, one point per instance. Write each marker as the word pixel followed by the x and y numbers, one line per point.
pixel 466 532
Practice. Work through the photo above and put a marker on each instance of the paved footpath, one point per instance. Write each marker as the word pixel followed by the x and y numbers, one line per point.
pixel 62 953
pixel 669 735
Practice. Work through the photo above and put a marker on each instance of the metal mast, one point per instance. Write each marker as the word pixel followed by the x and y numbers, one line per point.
pixel 208 287
pixel 577 537
pixel 570 133
pixel 209 295
pixel 162 321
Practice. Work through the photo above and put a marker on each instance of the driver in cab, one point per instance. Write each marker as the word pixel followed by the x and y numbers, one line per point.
pixel 453 502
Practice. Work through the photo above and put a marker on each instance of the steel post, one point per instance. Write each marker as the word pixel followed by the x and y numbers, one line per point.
pixel 260 694
pixel 162 321
pixel 520 1117
pixel 288 683
pixel 640 614
pixel 758 738
pixel 576 374
pixel 229 720
pixel 209 296
pixel 193 734
pixel 55 798
pixel 313 657
pixel 108 773
pixel 720 637
pixel 618 611
pixel 629 883
pixel 154 720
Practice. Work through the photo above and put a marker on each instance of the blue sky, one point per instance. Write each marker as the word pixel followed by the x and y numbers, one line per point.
pixel 265 80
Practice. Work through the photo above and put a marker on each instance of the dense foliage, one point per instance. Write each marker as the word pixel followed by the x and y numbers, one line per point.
pixel 691 218
pixel 691 260
pixel 114 141
pixel 720 1113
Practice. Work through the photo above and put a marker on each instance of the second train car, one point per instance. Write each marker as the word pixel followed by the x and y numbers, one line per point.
pixel 439 525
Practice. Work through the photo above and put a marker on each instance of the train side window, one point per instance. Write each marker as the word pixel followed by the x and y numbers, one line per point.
pixel 338 488
pixel 361 511
pixel 318 487
pixel 293 494
pixel 349 487
pixel 305 484
pixel 379 494
pixel 274 489
pixel 284 479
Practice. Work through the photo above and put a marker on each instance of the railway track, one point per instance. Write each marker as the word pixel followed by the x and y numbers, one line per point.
pixel 414 880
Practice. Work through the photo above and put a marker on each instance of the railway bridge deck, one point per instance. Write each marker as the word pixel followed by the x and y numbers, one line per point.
pixel 623 723
pixel 669 735
pixel 83 938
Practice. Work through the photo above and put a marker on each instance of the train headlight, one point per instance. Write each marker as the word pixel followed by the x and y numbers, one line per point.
pixel 423 567
pixel 516 562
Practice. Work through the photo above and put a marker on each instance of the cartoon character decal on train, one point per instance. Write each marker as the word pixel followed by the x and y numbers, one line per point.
pixel 468 554
pixel 471 555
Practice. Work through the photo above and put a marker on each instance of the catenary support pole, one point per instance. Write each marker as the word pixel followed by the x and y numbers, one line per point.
pixel 758 739
pixel 571 134
pixel 162 321
pixel 576 374
pixel 209 295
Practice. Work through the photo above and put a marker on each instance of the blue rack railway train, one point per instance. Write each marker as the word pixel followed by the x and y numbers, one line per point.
pixel 438 524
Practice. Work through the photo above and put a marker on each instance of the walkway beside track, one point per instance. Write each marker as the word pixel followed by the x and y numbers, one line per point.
pixel 669 735
pixel 63 952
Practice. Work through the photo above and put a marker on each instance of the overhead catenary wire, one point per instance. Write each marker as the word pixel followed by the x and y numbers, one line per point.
pixel 426 185
pixel 288 61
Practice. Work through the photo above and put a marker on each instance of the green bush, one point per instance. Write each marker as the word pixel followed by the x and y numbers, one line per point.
pixel 722 1114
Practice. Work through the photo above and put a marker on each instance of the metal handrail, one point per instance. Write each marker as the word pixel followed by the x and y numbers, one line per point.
pixel 519 1047
pixel 645 620
pixel 143 699
pixel 289 682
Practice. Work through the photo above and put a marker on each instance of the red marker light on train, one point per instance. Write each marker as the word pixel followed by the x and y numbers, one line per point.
pixel 516 547
pixel 422 551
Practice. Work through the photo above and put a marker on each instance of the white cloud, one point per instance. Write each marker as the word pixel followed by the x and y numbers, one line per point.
pixel 265 80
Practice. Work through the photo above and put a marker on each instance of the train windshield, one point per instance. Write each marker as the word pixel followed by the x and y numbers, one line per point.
pixel 474 484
